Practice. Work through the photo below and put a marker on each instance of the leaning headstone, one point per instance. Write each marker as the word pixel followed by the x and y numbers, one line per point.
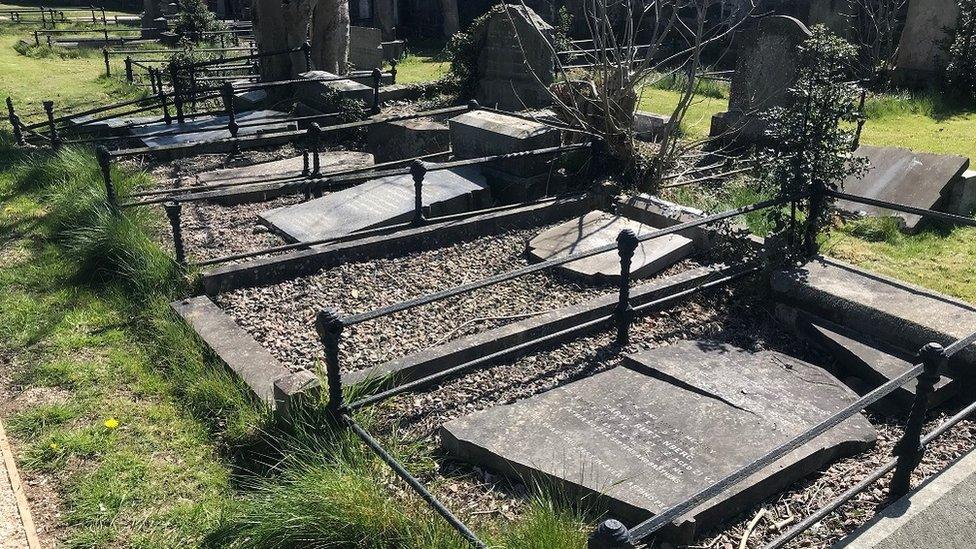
pixel 920 55
pixel 378 203
pixel 365 48
pixel 670 423
pixel 597 229
pixel 516 63
pixel 903 176
pixel 407 139
pixel 765 70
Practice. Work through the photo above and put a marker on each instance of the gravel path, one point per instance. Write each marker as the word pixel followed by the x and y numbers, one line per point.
pixel 280 317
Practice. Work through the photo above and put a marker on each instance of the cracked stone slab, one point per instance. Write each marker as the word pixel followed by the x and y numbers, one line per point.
pixel 597 229
pixel 670 423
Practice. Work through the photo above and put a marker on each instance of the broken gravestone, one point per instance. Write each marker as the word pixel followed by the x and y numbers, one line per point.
pixel 920 55
pixel 597 229
pixel 378 203
pixel 515 63
pixel 765 70
pixel 675 420
pixel 903 176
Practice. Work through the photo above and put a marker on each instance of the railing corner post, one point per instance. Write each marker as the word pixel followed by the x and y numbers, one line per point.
pixel 52 126
pixel 377 81
pixel 627 243
pixel 329 326
pixel 15 123
pixel 307 54
pixel 610 534
pixel 173 211
pixel 315 140
pixel 418 170
pixel 128 68
pixel 105 164
pixel 108 66
pixel 909 449
pixel 473 105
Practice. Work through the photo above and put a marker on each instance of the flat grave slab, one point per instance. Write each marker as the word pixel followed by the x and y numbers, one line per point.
pixel 905 177
pixel 597 229
pixel 674 420
pixel 279 170
pixel 112 126
pixel 320 95
pixel 377 203
pixel 209 128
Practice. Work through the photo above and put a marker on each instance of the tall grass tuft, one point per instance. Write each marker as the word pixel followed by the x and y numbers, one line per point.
pixel 677 81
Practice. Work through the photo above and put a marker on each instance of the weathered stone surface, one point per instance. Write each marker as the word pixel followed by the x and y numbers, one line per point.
pixel 377 203
pixel 151 10
pixel 919 53
pixel 597 229
pixel 765 69
pixel 864 362
pixel 670 423
pixel 939 513
pixel 322 95
pixel 890 311
pixel 516 63
pixel 211 127
pixel 482 133
pixel 235 347
pixel 837 15
pixel 365 48
pixel 329 35
pixel 903 176
pixel 649 126
pixel 353 248
pixel 407 139
pixel 280 26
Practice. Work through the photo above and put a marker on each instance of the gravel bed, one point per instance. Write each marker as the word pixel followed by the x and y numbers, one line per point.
pixel 281 316
pixel 212 230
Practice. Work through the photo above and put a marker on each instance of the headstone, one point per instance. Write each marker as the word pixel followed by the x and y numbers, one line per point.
pixel 765 70
pixel 597 229
pixel 151 10
pixel 385 12
pixel 365 48
pixel 649 126
pixel 322 95
pixel 407 139
pixel 920 56
pixel 903 176
pixel 516 63
pixel 211 127
pixel 672 422
pixel 378 203
pixel 837 15
pixel 280 26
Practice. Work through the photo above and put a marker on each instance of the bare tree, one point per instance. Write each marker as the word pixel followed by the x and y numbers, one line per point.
pixel 634 44
pixel 878 30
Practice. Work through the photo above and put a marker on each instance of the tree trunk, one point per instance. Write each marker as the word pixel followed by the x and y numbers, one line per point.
pixel 330 36
pixel 452 21
pixel 280 26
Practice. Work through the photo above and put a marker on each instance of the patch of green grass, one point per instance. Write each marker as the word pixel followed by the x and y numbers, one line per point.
pixel 418 68
pixel 678 82
pixel 727 196
pixel 698 120
pixel 921 122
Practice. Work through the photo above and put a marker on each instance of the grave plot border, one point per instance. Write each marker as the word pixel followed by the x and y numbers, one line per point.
pixel 908 452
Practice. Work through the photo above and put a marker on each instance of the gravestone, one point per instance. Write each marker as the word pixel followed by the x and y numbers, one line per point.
pixel 515 64
pixel 378 203
pixel 837 15
pixel 903 176
pixel 211 127
pixel 670 423
pixel 478 134
pixel 919 53
pixel 365 48
pixel 151 10
pixel 280 26
pixel 329 35
pixel 764 72
pixel 597 229
pixel 323 95
pixel 407 139
pixel 649 126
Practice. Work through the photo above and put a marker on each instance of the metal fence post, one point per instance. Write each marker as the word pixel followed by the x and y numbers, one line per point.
pixel 227 91
pixel 418 170
pixel 105 163
pixel 108 67
pixel 377 80
pixel 37 39
pixel 393 69
pixel 624 313
pixel 165 105
pixel 15 123
pixel 329 326
pixel 128 69
pixel 817 205
pixel 52 127
pixel 43 21
pixel 173 209
pixel 314 141
pixel 909 449
pixel 611 534
pixel 174 74
pixel 307 53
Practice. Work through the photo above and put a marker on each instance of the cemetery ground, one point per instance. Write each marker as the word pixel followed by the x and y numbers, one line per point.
pixel 134 435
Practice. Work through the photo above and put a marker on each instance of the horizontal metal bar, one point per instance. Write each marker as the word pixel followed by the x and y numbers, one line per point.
pixel 529 269
pixel 516 349
pixel 962 220
pixel 888 466
pixel 276 83
pixel 508 156
pixel 960 345
pixel 655 523
pixel 417 486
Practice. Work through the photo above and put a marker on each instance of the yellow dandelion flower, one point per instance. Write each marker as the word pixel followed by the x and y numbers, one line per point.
pixel 55 447
pixel 111 423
